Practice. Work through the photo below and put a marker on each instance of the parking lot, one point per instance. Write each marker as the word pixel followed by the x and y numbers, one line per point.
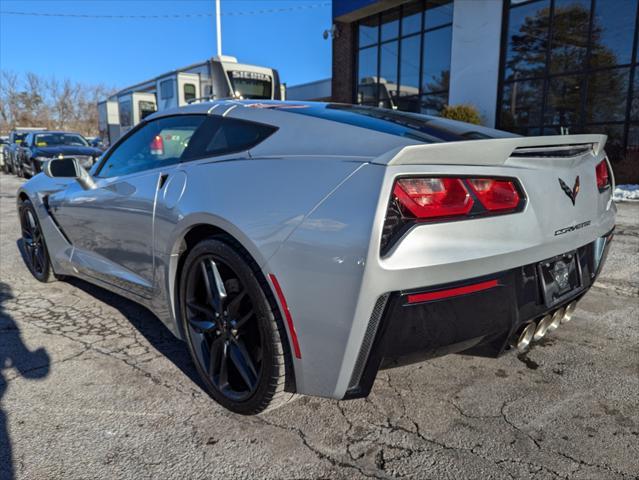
pixel 93 386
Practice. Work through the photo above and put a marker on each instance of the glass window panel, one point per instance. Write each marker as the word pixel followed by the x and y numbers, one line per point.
pixel 367 75
pixel 521 104
pixel 438 12
pixel 607 95
pixel 388 73
pixel 570 25
pixel 436 70
pixel 390 25
pixel 408 103
pixel 412 17
pixel 634 106
pixel 562 130
pixel 527 40
pixel 368 31
pixel 563 100
pixel 612 32
pixel 433 104
pixel 409 66
pixel 143 151
pixel 627 168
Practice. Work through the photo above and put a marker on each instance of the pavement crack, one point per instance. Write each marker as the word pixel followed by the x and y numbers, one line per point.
pixel 319 454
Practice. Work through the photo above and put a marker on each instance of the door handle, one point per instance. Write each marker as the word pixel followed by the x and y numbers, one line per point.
pixel 162 181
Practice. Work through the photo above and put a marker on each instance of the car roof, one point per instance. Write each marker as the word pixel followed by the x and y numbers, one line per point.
pixel 422 127
pixel 58 132
pixel 354 130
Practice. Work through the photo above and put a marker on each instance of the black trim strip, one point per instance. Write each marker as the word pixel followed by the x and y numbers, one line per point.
pixel 45 202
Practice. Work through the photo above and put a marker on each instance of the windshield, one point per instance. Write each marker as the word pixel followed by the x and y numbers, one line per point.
pixel 56 139
pixel 19 137
pixel 251 85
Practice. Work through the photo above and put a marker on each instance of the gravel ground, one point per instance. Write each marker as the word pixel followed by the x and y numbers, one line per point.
pixel 93 386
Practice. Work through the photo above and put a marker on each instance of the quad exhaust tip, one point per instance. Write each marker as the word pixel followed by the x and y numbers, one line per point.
pixel 570 310
pixel 536 331
pixel 542 327
pixel 556 319
pixel 526 336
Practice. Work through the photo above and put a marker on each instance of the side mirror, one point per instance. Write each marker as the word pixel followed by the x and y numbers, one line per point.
pixel 69 168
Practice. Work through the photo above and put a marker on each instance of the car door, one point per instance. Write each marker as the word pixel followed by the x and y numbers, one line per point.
pixel 111 226
pixel 21 151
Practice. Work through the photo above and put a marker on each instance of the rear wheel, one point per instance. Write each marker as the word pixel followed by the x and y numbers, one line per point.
pixel 232 329
pixel 34 248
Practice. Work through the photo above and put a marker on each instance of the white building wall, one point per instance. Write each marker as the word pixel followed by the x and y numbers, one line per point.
pixel 474 68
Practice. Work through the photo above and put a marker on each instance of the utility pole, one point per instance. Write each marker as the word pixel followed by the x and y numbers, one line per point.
pixel 218 25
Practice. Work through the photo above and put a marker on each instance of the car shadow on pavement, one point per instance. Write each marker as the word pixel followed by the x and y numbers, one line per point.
pixel 144 322
pixel 147 324
pixel 14 354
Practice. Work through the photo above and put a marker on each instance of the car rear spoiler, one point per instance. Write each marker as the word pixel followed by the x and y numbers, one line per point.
pixel 494 151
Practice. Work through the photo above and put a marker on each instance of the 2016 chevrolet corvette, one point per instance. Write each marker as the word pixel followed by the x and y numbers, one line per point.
pixel 301 247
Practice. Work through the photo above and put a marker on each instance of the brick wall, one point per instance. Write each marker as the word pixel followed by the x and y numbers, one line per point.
pixel 343 63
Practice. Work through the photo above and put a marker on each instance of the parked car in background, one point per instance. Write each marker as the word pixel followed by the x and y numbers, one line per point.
pixel 16 137
pixel 39 147
pixel 96 142
pixel 300 247
pixel 4 140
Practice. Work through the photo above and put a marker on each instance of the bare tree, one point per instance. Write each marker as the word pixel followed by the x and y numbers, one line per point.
pixel 34 100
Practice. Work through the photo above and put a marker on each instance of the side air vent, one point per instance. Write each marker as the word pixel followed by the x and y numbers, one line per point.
pixel 555 151
pixel 367 342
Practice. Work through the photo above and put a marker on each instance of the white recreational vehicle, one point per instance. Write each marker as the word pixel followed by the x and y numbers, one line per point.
pixel 220 77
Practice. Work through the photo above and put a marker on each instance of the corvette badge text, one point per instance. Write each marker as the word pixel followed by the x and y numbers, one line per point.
pixel 579 226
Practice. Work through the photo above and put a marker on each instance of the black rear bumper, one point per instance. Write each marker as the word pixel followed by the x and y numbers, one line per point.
pixel 480 322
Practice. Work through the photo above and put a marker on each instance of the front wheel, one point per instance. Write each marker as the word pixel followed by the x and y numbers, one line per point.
pixel 33 246
pixel 232 329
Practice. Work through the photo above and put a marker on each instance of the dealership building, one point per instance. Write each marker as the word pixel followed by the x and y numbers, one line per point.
pixel 534 67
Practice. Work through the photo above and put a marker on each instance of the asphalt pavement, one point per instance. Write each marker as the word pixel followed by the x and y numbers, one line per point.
pixel 93 386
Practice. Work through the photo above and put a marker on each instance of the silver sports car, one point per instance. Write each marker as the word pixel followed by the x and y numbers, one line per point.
pixel 301 247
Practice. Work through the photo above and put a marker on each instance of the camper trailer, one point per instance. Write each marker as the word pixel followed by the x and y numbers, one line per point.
pixel 220 77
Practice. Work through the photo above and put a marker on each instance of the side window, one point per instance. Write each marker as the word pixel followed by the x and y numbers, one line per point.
pixel 125 113
pixel 189 92
pixel 166 89
pixel 145 109
pixel 221 136
pixel 159 143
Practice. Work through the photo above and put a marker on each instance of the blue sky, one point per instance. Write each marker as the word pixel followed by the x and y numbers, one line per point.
pixel 120 52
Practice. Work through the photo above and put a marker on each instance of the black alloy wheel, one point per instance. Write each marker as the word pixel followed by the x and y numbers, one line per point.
pixel 231 328
pixel 33 244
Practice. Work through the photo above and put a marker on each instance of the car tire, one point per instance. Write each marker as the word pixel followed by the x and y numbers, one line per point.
pixel 32 244
pixel 237 342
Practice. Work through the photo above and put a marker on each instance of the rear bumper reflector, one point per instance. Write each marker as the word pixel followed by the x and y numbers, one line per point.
pixel 287 315
pixel 451 292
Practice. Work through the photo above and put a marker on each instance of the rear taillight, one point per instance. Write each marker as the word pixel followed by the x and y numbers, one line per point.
pixel 603 175
pixel 433 197
pixel 157 145
pixel 439 199
pixel 495 195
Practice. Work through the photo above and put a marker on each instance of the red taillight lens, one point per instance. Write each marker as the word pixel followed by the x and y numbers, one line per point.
pixel 157 145
pixel 603 176
pixel 495 195
pixel 433 197
pixel 447 198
